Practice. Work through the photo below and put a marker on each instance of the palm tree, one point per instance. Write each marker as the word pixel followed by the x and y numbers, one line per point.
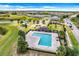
pixel 22 44
pixel 67 51
pixel 61 51
pixel 75 51
pixel 33 21
pixel 64 28
pixel 37 21
pixel 55 25
pixel 43 21
pixel 77 16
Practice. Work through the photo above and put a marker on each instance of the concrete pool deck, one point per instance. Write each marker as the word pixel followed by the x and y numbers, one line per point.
pixel 34 40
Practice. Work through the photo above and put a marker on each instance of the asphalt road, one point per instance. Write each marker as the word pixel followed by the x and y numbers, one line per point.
pixel 75 29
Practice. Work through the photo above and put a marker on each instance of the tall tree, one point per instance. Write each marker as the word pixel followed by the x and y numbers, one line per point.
pixel 22 45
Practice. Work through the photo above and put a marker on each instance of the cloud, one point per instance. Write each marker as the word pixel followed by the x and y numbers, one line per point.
pixel 49 7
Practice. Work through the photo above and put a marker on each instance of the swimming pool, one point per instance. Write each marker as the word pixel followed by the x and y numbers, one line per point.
pixel 45 39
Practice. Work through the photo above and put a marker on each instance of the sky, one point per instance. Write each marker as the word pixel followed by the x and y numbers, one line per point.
pixel 40 6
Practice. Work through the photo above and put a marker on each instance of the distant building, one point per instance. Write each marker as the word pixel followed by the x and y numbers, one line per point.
pixel 55 18
pixel 38 15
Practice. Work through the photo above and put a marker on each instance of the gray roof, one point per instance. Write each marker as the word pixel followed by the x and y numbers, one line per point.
pixel 38 15
pixel 55 18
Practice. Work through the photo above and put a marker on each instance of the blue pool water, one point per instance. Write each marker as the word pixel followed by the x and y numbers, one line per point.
pixel 45 39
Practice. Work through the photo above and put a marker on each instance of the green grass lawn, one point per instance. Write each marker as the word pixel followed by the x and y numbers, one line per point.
pixel 72 37
pixel 8 40
pixel 55 27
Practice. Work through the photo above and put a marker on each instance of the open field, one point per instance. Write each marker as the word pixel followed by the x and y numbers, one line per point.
pixel 8 40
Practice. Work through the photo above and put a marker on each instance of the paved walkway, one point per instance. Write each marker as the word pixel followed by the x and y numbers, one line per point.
pixel 75 29
pixel 68 40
